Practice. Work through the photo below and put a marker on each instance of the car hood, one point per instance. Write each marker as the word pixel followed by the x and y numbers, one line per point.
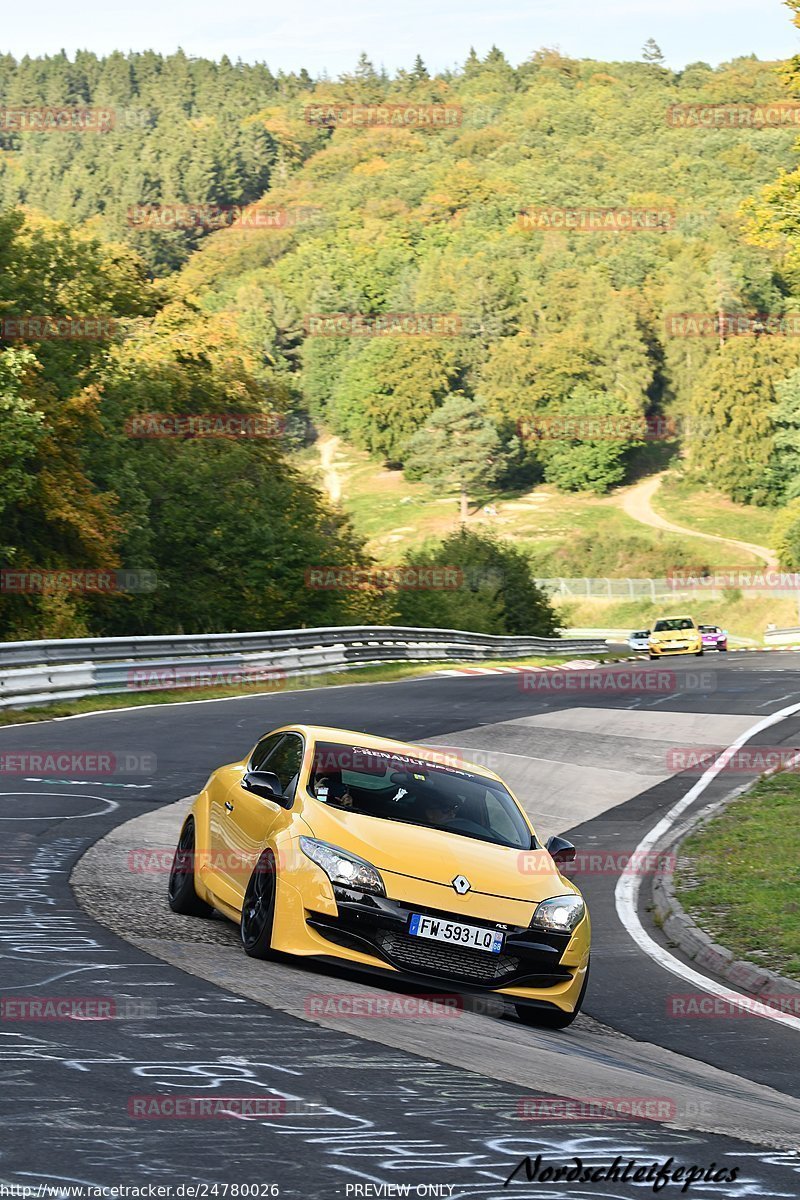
pixel 673 635
pixel 438 857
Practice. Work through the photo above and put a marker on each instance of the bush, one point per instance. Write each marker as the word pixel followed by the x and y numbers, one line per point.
pixel 495 593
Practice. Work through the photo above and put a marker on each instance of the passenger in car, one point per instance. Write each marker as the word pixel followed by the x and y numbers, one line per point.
pixel 331 789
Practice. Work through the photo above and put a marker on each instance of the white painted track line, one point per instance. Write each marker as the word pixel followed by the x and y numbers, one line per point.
pixel 627 891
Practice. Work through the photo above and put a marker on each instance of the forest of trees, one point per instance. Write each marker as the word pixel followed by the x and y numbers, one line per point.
pixel 529 326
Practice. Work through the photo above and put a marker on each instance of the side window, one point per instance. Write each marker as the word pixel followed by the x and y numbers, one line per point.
pixel 263 750
pixel 285 760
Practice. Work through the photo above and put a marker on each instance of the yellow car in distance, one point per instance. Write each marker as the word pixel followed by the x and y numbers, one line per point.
pixel 675 635
pixel 390 857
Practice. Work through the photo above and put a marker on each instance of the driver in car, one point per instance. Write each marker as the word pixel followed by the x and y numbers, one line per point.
pixel 439 811
pixel 443 813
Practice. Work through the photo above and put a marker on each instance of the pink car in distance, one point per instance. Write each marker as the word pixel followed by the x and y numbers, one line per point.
pixel 713 637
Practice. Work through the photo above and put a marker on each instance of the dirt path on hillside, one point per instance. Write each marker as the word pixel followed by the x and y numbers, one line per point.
pixel 637 503
pixel 328 445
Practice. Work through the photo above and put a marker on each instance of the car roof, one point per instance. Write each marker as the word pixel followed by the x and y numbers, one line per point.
pixel 677 617
pixel 330 733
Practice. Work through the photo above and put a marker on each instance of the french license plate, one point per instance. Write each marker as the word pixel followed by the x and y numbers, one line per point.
pixel 455 933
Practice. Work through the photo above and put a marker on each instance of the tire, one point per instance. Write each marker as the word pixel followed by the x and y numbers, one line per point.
pixel 699 654
pixel 258 910
pixel 651 657
pixel 722 649
pixel 180 889
pixel 552 1018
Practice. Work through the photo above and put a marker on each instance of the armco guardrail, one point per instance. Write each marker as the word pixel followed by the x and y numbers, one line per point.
pixel 606 635
pixel 606 588
pixel 789 635
pixel 72 668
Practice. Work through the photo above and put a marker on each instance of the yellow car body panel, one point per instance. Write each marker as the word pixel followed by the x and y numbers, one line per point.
pixel 417 865
pixel 667 642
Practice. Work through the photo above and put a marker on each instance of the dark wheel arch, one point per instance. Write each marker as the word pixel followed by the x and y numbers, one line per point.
pixel 258 908
pixel 181 892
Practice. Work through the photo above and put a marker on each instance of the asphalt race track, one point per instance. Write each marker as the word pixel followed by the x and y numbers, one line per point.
pixel 364 1107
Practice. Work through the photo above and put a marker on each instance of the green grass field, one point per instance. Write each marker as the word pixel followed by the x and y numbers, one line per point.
pixel 711 512
pixel 572 535
pixel 739 877
pixel 562 533
pixel 746 618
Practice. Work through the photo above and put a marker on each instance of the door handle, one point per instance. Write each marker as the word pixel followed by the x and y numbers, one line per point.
pixel 229 806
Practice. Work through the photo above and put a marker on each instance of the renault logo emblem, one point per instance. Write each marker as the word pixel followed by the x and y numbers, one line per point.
pixel 461 885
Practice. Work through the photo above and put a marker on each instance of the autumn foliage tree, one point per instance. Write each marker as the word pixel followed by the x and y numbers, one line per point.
pixel 228 524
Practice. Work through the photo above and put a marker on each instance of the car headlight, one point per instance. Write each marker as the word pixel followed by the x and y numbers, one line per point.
pixel 559 914
pixel 343 868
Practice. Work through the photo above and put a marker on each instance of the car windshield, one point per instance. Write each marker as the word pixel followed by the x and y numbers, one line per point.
pixel 708 629
pixel 672 623
pixel 397 787
pixel 641 634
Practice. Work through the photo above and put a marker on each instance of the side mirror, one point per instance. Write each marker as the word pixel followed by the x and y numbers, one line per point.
pixel 263 783
pixel 560 850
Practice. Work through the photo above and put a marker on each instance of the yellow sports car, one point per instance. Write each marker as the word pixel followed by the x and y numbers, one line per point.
pixel 391 857
pixel 675 635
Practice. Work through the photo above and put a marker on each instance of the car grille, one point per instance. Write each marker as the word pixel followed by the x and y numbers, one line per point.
pixel 433 958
